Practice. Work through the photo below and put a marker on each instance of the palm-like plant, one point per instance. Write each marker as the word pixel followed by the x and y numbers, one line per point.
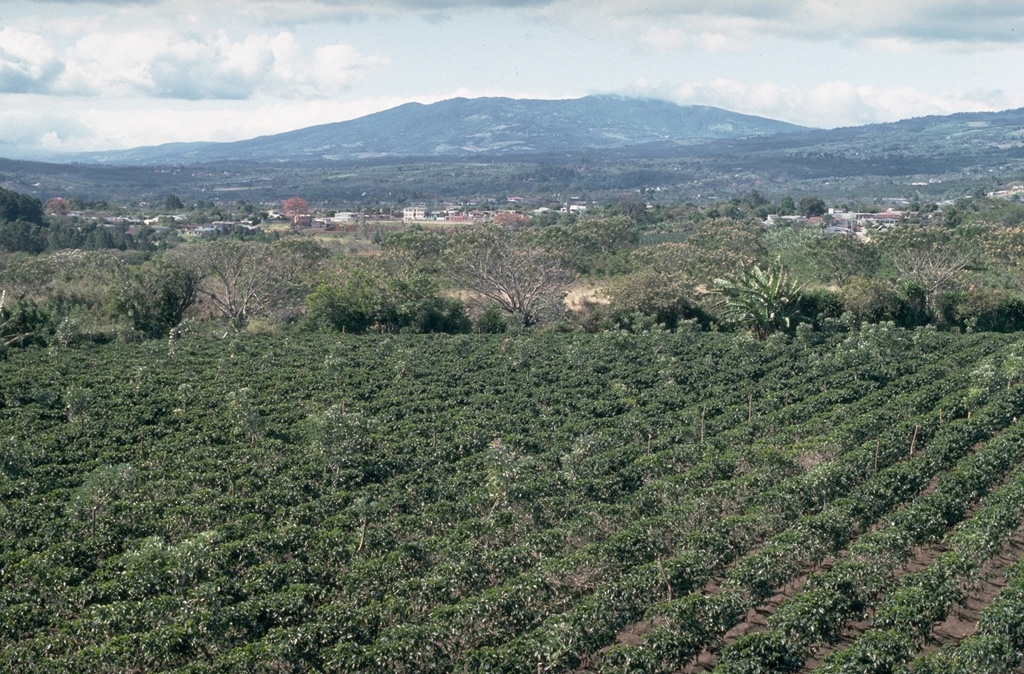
pixel 763 301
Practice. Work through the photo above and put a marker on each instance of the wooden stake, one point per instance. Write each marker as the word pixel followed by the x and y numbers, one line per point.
pixel 703 411
pixel 664 578
pixel 913 440
pixel 750 407
pixel 877 444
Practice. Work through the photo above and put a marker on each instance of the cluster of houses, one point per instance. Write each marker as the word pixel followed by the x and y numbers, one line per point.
pixel 217 228
pixel 835 221
pixel 852 223
pixel 420 213
pixel 339 221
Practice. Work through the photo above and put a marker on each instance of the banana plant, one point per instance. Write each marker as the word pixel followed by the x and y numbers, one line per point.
pixel 764 301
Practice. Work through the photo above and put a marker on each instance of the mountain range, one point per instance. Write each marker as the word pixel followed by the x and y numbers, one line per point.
pixel 601 146
pixel 463 127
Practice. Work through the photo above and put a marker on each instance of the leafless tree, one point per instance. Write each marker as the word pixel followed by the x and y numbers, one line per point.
pixel 933 267
pixel 243 279
pixel 506 269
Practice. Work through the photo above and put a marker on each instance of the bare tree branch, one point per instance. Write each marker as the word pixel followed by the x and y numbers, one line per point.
pixel 933 267
pixel 519 278
pixel 246 279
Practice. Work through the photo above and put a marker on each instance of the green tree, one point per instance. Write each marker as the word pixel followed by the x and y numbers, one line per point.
pixel 811 206
pixel 1004 256
pixel 869 300
pixel 103 238
pixel 17 206
pixel 156 296
pixel 379 299
pixel 633 209
pixel 491 320
pixel 664 297
pixel 837 258
pixel 23 323
pixel 712 249
pixel 420 248
pixel 347 308
pixel 755 199
pixel 66 236
pixel 173 203
pixel 21 236
pixel 26 276
pixel 590 245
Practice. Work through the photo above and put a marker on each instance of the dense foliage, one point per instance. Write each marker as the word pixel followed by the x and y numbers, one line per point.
pixel 437 503
pixel 17 206
pixel 627 265
pixel 633 276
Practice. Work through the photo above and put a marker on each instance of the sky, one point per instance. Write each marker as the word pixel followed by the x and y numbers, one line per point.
pixel 111 74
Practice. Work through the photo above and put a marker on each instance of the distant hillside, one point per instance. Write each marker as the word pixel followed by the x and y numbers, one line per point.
pixel 469 127
pixel 600 146
pixel 950 139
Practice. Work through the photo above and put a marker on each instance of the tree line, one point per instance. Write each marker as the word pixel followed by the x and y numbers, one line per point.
pixel 626 266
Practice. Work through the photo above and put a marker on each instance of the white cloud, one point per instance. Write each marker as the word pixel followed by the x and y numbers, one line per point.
pixel 838 103
pixel 37 130
pixel 81 124
pixel 27 63
pixel 672 25
pixel 919 21
pixel 891 45
pixel 665 40
pixel 325 71
pixel 163 64
pixel 717 42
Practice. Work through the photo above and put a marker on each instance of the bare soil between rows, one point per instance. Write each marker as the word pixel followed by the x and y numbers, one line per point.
pixel 961 622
